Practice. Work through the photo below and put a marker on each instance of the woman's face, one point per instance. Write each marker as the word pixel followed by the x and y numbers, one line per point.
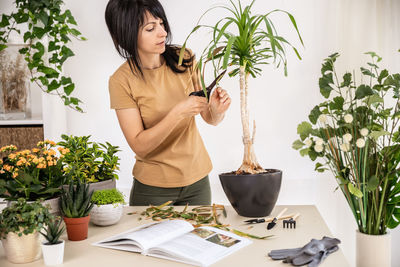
pixel 152 36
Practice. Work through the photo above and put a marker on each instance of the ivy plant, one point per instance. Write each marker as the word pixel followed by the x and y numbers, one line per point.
pixel 44 19
pixel 23 218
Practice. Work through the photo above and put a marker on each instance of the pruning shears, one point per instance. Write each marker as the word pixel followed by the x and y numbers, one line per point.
pixel 209 88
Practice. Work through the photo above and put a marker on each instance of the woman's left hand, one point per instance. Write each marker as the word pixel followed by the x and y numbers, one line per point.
pixel 219 101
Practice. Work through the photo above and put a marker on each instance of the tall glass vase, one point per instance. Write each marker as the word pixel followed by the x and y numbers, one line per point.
pixel 14 84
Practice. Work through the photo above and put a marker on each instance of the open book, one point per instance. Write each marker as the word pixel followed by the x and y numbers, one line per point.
pixel 178 240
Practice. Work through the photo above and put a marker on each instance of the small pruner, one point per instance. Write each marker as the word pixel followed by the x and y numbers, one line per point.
pixel 254 221
pixel 209 88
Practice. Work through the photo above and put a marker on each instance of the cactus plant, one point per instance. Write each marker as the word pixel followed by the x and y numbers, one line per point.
pixel 75 202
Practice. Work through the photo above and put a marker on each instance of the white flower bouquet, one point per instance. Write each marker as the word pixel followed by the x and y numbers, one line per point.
pixel 355 133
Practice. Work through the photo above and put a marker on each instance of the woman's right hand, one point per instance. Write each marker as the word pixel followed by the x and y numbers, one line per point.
pixel 191 106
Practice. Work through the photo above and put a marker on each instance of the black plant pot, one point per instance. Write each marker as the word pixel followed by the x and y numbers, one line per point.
pixel 252 195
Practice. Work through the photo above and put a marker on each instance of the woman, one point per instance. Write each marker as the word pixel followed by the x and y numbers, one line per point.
pixel 150 94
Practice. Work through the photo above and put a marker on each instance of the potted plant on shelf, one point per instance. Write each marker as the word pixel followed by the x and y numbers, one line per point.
pixel 244 42
pixel 19 230
pixel 53 247
pixel 32 174
pixel 355 132
pixel 46 30
pixel 90 162
pixel 75 206
pixel 108 207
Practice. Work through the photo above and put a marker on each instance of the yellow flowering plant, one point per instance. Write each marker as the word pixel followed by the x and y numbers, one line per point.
pixel 31 174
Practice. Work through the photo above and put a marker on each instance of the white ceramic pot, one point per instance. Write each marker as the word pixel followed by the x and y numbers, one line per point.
pixel 104 215
pixel 53 254
pixel 22 249
pixel 373 250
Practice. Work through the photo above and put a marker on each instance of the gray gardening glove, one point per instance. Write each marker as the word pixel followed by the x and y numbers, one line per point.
pixel 314 252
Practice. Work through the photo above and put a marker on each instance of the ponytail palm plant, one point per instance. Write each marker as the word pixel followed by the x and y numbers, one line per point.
pixel 243 43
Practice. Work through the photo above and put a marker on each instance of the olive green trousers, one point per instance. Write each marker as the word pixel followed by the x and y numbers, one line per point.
pixel 195 194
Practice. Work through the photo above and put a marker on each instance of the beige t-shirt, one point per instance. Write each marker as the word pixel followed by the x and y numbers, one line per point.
pixel 182 158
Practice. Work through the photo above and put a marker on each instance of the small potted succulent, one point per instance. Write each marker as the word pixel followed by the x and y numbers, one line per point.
pixel 19 230
pixel 90 162
pixel 75 206
pixel 53 246
pixel 32 174
pixel 108 207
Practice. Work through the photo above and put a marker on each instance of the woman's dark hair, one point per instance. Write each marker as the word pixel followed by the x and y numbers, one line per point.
pixel 124 19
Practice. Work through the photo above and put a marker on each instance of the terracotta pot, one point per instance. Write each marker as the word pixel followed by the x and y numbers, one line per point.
pixel 22 249
pixel 373 250
pixel 252 195
pixel 77 228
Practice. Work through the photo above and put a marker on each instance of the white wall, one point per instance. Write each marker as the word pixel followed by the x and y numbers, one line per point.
pixel 278 103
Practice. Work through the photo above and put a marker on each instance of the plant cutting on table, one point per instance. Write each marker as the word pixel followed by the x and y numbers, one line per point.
pixel 243 43
pixel 355 132
pixel 197 216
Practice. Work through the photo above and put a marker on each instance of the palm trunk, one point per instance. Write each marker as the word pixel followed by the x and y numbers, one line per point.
pixel 249 164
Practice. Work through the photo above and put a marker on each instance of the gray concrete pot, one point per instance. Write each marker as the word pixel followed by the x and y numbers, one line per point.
pixel 107 184
pixel 252 195
pixel 53 202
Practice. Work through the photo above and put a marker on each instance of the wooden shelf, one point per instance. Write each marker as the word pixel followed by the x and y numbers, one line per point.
pixel 28 121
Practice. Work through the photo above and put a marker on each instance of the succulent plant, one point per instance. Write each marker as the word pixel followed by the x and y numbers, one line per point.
pixel 75 202
pixel 53 231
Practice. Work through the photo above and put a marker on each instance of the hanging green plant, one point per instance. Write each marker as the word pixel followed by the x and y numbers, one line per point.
pixel 44 18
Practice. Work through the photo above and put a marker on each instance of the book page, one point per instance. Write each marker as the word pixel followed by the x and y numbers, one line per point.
pixel 146 236
pixel 202 246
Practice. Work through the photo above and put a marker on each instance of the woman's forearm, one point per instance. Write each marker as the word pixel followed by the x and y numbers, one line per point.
pixel 149 139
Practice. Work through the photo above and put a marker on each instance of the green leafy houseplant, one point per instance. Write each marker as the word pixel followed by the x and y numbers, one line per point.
pixel 75 202
pixel 53 231
pixel 23 218
pixel 355 132
pixel 108 196
pixel 44 19
pixel 31 174
pixel 89 161
pixel 243 42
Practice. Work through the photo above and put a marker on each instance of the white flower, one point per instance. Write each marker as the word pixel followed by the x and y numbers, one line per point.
pixel 348 118
pixel 360 142
pixel 364 132
pixel 345 147
pixel 318 148
pixel 319 142
pixel 308 142
pixel 322 118
pixel 347 138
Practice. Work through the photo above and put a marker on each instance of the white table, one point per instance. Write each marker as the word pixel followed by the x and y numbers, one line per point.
pixel 309 225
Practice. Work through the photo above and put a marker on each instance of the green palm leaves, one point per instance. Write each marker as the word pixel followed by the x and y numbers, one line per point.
pixel 243 39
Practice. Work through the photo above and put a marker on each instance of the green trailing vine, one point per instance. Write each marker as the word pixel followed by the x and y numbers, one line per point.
pixel 44 18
